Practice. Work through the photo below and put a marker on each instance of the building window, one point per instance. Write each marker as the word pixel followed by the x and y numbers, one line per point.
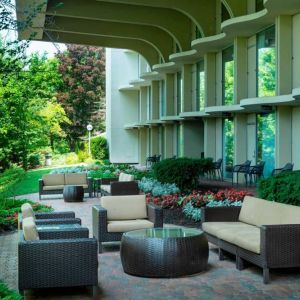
pixel 259 5
pixel 228 146
pixel 266 128
pixel 179 92
pixel 200 90
pixel 149 104
pixel 162 98
pixel 179 140
pixel 224 13
pixel 149 142
pixel 266 63
pixel 228 76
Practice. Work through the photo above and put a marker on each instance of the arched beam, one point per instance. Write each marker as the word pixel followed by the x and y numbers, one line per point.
pixel 202 13
pixel 157 38
pixel 163 18
pixel 236 8
pixel 144 49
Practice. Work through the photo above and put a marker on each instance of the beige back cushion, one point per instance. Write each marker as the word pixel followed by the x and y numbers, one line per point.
pixel 259 212
pixel 27 211
pixel 125 207
pixel 29 229
pixel 126 177
pixel 54 179
pixel 75 178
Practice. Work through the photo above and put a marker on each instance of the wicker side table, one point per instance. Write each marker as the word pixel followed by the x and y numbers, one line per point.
pixel 73 193
pixel 168 252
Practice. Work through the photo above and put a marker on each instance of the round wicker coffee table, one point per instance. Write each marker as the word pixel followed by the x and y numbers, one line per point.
pixel 164 252
pixel 73 193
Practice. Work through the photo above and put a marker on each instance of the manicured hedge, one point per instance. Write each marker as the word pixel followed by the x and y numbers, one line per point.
pixel 283 188
pixel 184 172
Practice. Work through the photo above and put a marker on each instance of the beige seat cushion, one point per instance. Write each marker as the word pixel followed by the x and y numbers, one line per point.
pixel 75 178
pixel 53 187
pixel 126 177
pixel 128 225
pixel 105 187
pixel 246 238
pixel 240 234
pixel 125 207
pixel 27 211
pixel 54 179
pixel 259 212
pixel 29 229
pixel 214 228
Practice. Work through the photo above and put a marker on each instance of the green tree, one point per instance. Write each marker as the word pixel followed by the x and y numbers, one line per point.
pixel 82 94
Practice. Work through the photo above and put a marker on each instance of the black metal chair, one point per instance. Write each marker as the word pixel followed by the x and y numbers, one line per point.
pixel 241 168
pixel 257 171
pixel 287 167
pixel 217 168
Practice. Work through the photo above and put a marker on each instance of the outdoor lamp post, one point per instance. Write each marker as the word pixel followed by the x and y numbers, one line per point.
pixel 89 127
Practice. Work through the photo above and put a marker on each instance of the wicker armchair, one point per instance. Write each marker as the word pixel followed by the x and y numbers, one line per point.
pixel 278 244
pixel 51 218
pixel 101 221
pixel 114 187
pixel 60 258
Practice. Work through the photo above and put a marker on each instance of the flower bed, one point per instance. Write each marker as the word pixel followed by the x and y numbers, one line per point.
pixel 181 209
pixel 9 209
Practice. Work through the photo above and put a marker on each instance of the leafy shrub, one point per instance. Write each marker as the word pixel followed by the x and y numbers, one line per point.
pixel 156 188
pixel 99 147
pixel 34 160
pixel 82 155
pixel 71 158
pixel 8 294
pixel 283 188
pixel 9 209
pixel 184 172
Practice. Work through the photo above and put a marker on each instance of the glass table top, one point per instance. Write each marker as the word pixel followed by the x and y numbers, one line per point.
pixel 164 233
pixel 58 226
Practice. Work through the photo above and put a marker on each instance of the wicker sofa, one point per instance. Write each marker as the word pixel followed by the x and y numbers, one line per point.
pixel 54 183
pixel 58 258
pixel 118 214
pixel 123 185
pixel 260 232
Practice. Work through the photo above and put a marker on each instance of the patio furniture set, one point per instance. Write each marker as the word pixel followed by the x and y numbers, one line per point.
pixel 57 242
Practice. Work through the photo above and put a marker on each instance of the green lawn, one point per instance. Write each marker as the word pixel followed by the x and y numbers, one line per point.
pixel 29 184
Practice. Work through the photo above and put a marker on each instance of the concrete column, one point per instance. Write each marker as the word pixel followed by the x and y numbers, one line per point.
pixel 142 146
pixel 193 138
pixel 210 138
pixel 240 141
pixel 155 100
pixel 170 79
pixel 283 135
pixel 240 69
pixel 143 104
pixel 210 79
pixel 187 87
pixel 284 54
pixel 169 140
pixel 154 137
